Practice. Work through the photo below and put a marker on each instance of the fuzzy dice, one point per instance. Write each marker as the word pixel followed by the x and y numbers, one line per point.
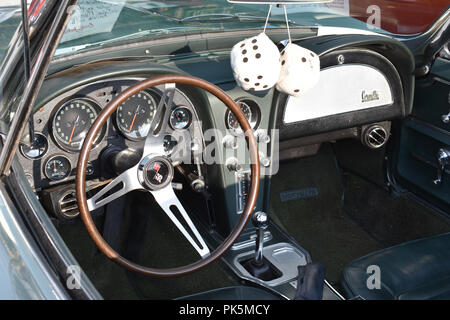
pixel 256 63
pixel 300 70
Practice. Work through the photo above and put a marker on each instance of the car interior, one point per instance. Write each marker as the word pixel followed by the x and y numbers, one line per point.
pixel 346 185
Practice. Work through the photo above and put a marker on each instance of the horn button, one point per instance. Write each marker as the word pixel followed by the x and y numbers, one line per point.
pixel 155 172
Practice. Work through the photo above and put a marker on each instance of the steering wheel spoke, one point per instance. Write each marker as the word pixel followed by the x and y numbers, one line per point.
pixel 154 143
pixel 121 185
pixel 169 202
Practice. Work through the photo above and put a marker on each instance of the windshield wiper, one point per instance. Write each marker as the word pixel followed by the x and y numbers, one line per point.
pixel 131 36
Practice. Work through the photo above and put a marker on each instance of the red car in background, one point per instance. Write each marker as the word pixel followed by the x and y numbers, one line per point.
pixel 400 16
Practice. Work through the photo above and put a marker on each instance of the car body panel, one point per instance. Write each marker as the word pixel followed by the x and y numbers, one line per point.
pixel 25 274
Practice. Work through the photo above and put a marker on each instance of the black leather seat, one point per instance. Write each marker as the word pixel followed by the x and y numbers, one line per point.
pixel 414 270
pixel 234 293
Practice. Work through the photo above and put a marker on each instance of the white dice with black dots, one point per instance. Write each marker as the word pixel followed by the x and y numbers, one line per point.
pixel 300 70
pixel 256 63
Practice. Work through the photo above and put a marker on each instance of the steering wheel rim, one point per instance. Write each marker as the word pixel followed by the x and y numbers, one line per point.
pixel 89 142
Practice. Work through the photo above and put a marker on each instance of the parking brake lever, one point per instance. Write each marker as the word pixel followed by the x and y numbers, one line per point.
pixel 443 158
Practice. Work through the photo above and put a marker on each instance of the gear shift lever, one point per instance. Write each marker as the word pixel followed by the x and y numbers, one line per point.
pixel 260 221
pixel 258 266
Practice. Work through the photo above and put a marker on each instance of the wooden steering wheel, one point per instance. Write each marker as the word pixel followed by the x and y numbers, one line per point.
pixel 154 174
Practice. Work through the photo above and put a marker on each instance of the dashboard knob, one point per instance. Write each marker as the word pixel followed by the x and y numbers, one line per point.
pixel 264 160
pixel 233 164
pixel 262 136
pixel 198 185
pixel 230 142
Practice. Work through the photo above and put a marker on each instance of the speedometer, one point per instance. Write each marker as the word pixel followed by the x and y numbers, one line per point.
pixel 135 115
pixel 72 122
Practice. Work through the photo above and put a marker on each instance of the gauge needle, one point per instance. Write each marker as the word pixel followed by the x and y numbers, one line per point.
pixel 54 166
pixel 134 118
pixel 73 129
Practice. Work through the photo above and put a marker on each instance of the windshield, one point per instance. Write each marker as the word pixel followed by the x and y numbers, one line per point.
pixel 101 22
pixel 10 17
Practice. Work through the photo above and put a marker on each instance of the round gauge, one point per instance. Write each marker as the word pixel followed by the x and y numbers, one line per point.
pixel 180 118
pixel 232 121
pixel 36 149
pixel 72 122
pixel 57 168
pixel 135 115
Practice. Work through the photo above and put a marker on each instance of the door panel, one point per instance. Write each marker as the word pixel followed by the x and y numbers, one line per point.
pixel 423 134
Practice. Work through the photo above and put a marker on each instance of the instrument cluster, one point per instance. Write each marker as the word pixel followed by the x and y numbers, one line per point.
pixel 61 131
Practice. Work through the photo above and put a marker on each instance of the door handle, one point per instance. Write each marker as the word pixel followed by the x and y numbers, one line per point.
pixel 443 159
pixel 446 117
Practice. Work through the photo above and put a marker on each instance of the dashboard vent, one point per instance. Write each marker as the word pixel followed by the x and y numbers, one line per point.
pixel 68 207
pixel 375 137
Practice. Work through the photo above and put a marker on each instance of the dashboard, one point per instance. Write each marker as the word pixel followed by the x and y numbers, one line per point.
pixel 285 128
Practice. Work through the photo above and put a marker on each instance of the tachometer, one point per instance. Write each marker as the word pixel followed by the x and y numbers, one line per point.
pixel 135 115
pixel 72 122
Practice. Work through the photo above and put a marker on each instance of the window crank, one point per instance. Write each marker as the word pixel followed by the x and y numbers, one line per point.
pixel 443 158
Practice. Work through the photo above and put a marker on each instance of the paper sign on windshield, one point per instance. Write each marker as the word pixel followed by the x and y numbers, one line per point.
pixel 92 17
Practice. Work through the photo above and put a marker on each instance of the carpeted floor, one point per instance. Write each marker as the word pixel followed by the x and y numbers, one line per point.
pixel 147 237
pixel 337 216
pixel 334 228
pixel 319 223
pixel 387 219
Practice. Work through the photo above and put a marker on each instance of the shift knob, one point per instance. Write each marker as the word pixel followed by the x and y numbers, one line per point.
pixel 260 220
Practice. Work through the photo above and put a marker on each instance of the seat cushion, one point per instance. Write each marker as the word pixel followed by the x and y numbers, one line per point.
pixel 234 293
pixel 418 269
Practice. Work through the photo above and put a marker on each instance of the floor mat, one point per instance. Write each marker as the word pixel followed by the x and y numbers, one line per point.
pixel 306 202
pixel 387 219
pixel 154 241
pixel 109 278
pixel 151 239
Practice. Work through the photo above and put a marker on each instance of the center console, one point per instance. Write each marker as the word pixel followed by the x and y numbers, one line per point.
pixel 268 257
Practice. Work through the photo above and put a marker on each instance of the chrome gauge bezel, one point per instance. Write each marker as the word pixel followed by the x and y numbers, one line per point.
pixel 255 116
pixel 189 122
pixel 22 146
pixel 62 144
pixel 52 158
pixel 155 101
